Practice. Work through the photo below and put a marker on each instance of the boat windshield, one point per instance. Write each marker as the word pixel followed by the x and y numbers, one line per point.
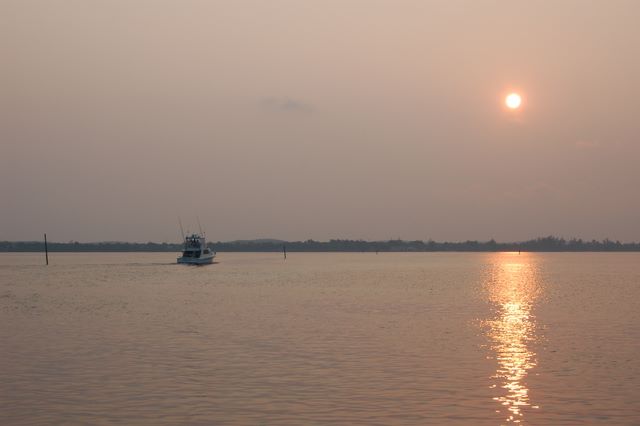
pixel 190 253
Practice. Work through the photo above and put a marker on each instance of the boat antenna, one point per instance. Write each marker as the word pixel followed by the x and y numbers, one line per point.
pixel 181 229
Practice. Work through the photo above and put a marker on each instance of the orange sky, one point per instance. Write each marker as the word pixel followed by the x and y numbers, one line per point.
pixel 319 119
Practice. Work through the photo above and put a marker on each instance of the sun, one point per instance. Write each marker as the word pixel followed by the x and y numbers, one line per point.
pixel 513 101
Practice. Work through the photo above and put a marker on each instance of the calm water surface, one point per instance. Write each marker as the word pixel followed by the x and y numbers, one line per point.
pixel 349 338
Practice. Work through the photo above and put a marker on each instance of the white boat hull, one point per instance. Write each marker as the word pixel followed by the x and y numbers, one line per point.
pixel 202 260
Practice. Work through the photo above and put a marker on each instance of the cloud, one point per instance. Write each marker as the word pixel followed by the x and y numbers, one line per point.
pixel 287 104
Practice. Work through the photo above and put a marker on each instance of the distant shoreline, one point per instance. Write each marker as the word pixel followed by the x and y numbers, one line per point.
pixel 546 244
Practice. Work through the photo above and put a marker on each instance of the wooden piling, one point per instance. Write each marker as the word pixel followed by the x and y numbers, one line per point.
pixel 46 250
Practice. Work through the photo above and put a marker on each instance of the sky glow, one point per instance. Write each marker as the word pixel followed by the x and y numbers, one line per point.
pixel 320 119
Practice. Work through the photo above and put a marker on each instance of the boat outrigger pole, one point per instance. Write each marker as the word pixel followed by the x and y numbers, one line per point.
pixel 199 227
pixel 181 229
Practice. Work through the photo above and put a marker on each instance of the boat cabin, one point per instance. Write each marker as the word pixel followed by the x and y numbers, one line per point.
pixel 195 246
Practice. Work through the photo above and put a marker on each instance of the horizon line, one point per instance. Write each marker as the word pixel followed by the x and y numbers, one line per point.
pixel 360 240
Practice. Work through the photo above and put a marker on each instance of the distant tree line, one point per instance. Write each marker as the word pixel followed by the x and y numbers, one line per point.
pixel 75 246
pixel 550 244
pixel 539 244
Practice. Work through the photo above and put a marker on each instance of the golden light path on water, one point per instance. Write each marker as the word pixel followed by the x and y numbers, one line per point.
pixel 513 286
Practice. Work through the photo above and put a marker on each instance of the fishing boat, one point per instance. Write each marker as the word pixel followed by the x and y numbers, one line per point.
pixel 196 251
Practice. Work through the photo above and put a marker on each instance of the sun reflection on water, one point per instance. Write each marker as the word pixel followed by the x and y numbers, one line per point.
pixel 513 287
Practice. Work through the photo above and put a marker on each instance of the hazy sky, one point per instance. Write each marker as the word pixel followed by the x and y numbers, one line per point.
pixel 319 119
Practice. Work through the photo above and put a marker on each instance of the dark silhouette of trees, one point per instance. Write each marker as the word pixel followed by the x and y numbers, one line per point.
pixel 545 244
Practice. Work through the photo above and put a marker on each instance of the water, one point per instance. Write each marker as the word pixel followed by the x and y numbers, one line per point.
pixel 348 338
